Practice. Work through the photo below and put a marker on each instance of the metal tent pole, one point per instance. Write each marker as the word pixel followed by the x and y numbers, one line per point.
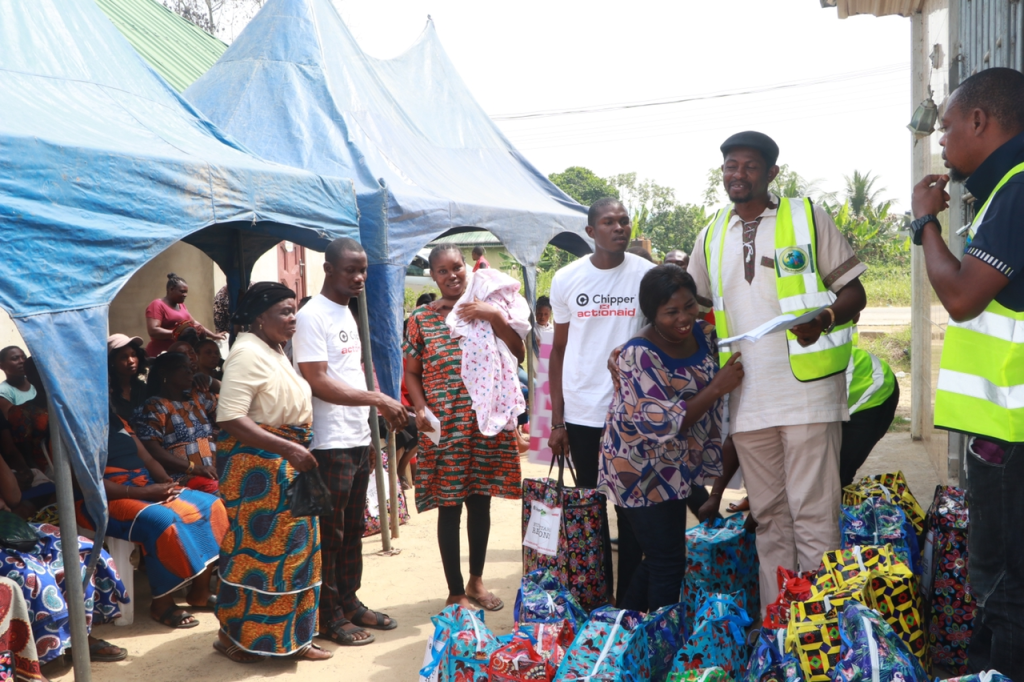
pixel 393 485
pixel 74 590
pixel 378 464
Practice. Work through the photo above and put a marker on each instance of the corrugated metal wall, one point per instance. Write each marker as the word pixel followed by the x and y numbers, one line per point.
pixel 990 35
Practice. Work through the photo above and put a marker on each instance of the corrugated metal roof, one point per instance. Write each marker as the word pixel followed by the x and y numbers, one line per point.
pixel 879 8
pixel 178 50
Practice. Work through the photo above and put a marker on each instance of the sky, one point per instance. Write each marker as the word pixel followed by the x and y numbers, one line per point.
pixel 834 94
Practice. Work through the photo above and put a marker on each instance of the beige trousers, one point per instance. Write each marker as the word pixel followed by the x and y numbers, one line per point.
pixel 792 477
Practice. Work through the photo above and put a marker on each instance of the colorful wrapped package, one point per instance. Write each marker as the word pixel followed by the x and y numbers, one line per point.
pixel 518 661
pixel 892 588
pixel 551 640
pixel 718 637
pixel 876 522
pixel 813 632
pixel 948 595
pixel 713 674
pixel 872 652
pixel 770 662
pixel 583 541
pixel 721 558
pixel 892 487
pixel 543 599
pixel 460 648
pixel 666 635
pixel 610 647
pixel 792 587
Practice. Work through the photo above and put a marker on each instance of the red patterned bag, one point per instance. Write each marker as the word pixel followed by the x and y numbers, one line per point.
pixel 792 587
pixel 518 661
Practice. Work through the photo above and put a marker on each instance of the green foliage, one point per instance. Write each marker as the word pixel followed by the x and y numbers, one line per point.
pixel 893 347
pixel 873 234
pixel 583 185
pixel 677 228
pixel 861 193
pixel 887 285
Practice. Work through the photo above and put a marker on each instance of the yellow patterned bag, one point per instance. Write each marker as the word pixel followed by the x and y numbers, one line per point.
pixel 813 632
pixel 892 487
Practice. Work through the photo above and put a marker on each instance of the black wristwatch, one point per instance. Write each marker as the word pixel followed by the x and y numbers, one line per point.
pixel 917 227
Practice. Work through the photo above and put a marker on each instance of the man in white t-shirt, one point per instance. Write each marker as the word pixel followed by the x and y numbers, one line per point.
pixel 327 351
pixel 16 389
pixel 596 309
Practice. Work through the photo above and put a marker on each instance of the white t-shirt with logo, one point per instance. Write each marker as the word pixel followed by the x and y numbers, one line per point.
pixel 602 310
pixel 327 332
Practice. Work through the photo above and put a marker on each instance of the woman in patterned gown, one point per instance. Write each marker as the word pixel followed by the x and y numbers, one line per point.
pixel 466 467
pixel 269 560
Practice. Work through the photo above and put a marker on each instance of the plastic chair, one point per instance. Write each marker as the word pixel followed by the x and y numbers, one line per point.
pixel 121 552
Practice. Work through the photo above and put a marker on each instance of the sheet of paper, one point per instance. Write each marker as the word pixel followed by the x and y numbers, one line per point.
pixel 435 434
pixel 776 324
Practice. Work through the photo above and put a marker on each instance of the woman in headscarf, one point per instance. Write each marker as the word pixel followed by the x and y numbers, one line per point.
pixel 174 427
pixel 270 560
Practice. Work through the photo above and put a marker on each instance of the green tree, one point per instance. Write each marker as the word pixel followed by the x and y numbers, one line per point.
pixel 644 199
pixel 676 228
pixel 862 194
pixel 583 185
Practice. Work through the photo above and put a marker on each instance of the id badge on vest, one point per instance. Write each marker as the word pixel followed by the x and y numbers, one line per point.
pixel 543 529
pixel 794 260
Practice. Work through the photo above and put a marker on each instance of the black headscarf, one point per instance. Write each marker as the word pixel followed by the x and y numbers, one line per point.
pixel 258 299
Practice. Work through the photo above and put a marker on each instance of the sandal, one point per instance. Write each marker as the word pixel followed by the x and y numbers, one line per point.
pixel 237 653
pixel 741 506
pixel 357 618
pixel 176 620
pixel 488 603
pixel 210 605
pixel 300 655
pixel 339 635
pixel 99 645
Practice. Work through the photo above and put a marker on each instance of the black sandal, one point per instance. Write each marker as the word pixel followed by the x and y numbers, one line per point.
pixel 357 618
pixel 176 620
pixel 235 653
pixel 99 645
pixel 337 634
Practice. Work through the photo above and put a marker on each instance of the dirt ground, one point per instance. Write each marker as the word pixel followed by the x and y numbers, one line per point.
pixel 409 586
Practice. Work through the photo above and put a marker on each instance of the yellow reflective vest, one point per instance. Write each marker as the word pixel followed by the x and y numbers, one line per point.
pixel 798 283
pixel 981 376
pixel 869 381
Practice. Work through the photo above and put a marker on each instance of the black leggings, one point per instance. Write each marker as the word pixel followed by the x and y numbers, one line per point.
pixel 478 527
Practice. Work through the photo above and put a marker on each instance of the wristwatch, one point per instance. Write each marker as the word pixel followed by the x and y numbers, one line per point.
pixel 917 227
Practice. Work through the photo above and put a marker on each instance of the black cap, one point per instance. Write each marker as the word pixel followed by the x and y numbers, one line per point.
pixel 754 140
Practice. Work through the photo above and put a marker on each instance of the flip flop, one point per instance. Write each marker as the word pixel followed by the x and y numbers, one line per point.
pixel 300 655
pixel 741 506
pixel 210 604
pixel 357 618
pixel 342 637
pixel 99 645
pixel 176 620
pixel 232 652
pixel 489 603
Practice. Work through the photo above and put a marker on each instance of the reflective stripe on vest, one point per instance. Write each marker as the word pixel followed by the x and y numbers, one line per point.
pixel 799 286
pixel 981 375
pixel 869 381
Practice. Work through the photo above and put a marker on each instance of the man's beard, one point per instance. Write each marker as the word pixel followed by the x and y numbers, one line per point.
pixel 742 199
pixel 957 175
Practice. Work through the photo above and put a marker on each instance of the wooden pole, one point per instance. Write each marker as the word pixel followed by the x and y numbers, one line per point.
pixel 378 464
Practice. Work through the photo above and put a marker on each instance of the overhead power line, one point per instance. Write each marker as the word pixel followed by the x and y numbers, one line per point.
pixel 599 108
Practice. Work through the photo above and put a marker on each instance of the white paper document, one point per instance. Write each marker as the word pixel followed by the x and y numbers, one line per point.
pixel 776 324
pixel 543 529
pixel 435 434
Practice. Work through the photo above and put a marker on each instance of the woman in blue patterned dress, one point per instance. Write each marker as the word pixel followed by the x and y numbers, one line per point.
pixel 664 429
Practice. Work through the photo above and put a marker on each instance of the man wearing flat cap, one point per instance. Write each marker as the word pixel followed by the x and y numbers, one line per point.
pixel 759 258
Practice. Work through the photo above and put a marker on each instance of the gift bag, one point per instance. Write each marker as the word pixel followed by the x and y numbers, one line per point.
pixel 894 488
pixel 582 544
pixel 947 597
pixel 550 640
pixel 721 558
pixel 770 662
pixel 518 661
pixel 713 674
pixel 718 637
pixel 542 598
pixel 813 633
pixel 611 647
pixel 461 647
pixel 666 635
pixel 872 652
pixel 792 587
pixel 875 522
pixel 842 566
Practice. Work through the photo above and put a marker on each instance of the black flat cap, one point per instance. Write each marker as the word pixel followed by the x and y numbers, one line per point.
pixel 754 140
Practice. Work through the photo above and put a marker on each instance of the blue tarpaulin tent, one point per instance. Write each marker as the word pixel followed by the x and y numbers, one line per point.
pixel 296 88
pixel 103 166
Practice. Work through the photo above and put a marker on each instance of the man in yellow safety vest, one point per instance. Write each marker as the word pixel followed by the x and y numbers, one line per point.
pixel 761 257
pixel 873 396
pixel 981 378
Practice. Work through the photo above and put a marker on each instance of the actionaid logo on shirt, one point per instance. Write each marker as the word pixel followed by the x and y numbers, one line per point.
pixel 607 306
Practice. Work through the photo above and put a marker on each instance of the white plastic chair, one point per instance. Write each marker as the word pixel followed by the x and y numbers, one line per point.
pixel 121 552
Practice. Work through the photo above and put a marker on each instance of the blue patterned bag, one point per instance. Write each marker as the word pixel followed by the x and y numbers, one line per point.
pixel 666 635
pixel 461 647
pixel 770 662
pixel 718 636
pixel 611 647
pixel 543 599
pixel 871 651
pixel 721 558
pixel 877 521
pixel 987 676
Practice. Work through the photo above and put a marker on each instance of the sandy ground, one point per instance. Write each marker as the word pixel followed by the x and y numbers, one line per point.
pixel 409 586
